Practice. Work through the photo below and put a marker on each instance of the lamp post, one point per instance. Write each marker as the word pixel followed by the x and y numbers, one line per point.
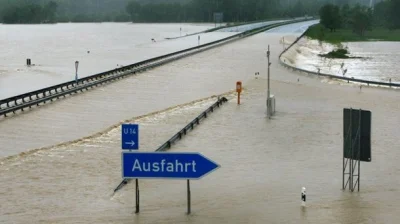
pixel 76 72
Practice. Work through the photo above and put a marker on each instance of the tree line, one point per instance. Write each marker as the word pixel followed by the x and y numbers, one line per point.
pixel 38 11
pixel 31 13
pixel 361 18
pixel 233 10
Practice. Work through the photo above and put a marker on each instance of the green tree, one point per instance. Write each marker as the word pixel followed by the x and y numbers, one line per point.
pixel 18 11
pixel 29 13
pixel 330 17
pixel 50 10
pixel 133 9
pixel 394 14
pixel 361 19
pixel 298 9
pixel 381 14
pixel 345 15
pixel 342 2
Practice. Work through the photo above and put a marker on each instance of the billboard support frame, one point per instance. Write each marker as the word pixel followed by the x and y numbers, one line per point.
pixel 350 164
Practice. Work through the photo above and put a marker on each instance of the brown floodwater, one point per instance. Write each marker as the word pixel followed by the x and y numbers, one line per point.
pixel 264 163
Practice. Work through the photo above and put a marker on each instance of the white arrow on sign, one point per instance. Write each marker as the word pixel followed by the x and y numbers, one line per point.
pixel 132 143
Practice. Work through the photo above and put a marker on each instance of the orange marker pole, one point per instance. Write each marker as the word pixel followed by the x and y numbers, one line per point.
pixel 238 90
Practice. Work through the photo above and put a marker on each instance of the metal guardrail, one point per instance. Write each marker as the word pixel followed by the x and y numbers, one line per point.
pixel 35 98
pixel 348 79
pixel 178 136
pixel 230 26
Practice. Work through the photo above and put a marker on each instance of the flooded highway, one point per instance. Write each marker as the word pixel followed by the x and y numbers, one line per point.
pixel 53 50
pixel 264 163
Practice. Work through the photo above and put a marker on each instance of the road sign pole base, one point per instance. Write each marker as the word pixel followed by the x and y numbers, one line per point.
pixel 188 197
pixel 137 197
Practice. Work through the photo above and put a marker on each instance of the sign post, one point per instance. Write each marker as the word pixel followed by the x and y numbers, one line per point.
pixel 238 90
pixel 163 165
pixel 137 196
pixel 156 165
pixel 188 196
pixel 130 141
pixel 76 72
pixel 130 136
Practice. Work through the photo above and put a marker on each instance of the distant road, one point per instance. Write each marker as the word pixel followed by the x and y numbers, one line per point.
pixel 243 28
pixel 238 28
pixel 293 28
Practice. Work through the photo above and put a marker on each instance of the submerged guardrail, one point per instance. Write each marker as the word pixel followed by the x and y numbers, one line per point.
pixel 348 79
pixel 178 136
pixel 35 98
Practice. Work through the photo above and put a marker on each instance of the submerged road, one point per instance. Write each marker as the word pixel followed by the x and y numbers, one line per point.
pixel 83 114
pixel 293 28
pixel 264 163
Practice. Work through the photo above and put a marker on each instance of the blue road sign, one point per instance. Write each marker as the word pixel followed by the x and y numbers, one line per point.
pixel 165 165
pixel 130 136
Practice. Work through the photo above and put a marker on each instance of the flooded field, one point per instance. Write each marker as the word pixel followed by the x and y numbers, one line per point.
pixel 378 60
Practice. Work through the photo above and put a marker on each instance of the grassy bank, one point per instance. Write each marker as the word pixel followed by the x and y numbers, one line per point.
pixel 319 32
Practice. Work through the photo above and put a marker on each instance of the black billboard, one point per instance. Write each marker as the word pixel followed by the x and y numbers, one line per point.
pixel 355 121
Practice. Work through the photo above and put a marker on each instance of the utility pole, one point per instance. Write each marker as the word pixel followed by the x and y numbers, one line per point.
pixel 268 53
pixel 268 88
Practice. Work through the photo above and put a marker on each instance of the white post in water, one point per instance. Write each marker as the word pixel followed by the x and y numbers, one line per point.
pixel 198 40
pixel 269 111
pixel 303 196
pixel 76 72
